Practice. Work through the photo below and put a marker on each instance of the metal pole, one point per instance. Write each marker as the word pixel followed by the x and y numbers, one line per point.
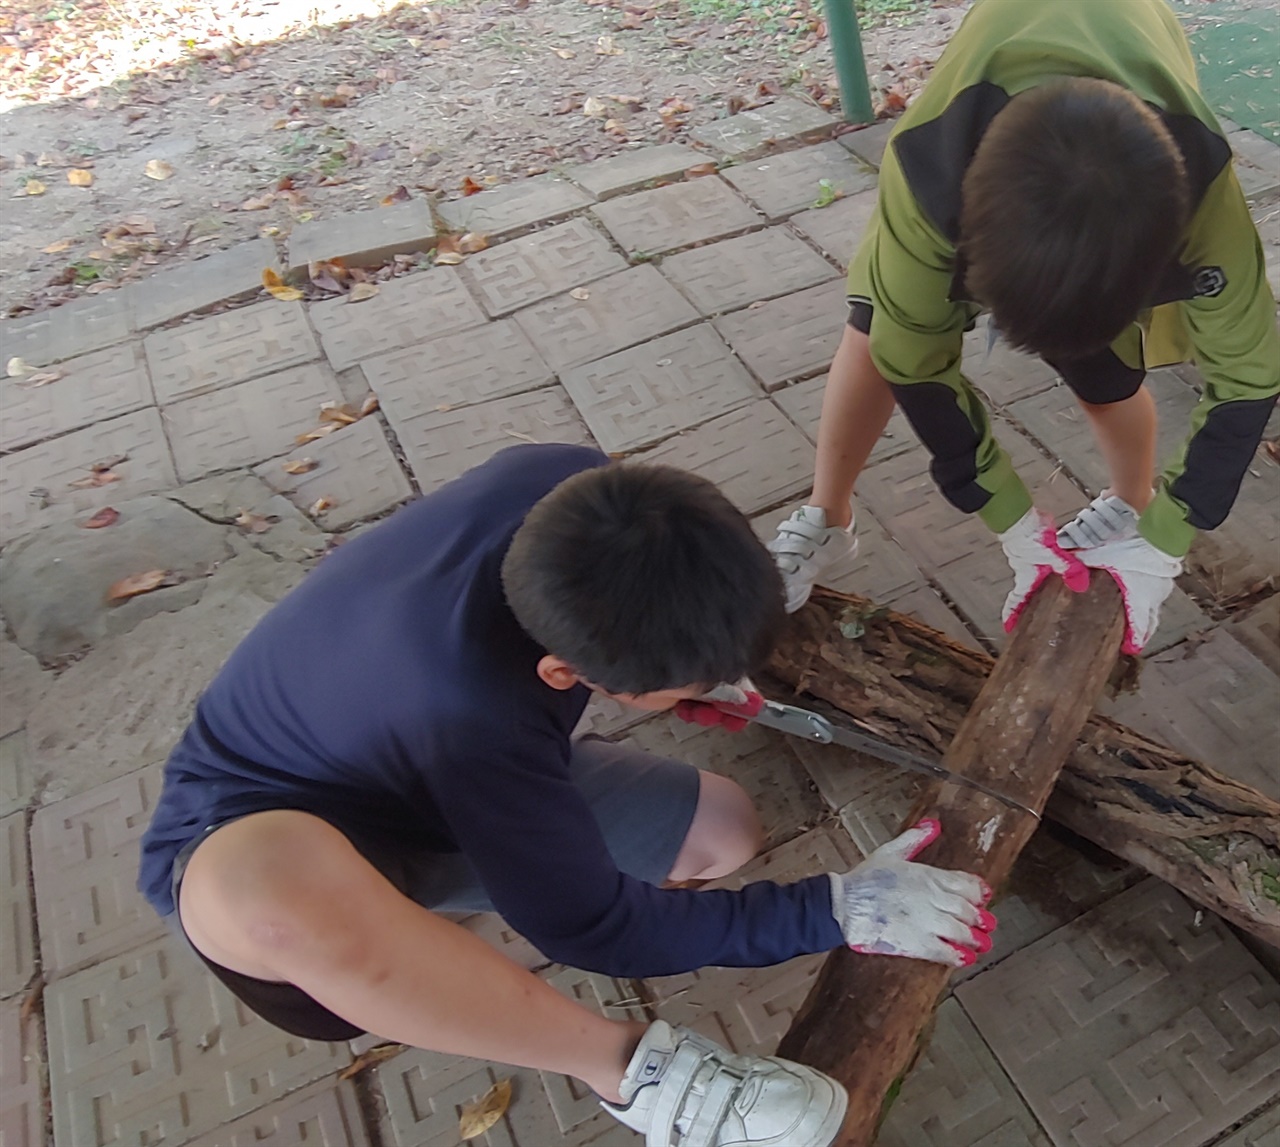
pixel 851 66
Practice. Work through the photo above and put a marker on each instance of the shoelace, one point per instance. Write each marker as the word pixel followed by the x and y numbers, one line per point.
pixel 1097 523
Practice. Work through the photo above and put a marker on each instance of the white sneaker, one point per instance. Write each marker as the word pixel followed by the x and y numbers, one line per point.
pixel 805 548
pixel 1105 519
pixel 683 1090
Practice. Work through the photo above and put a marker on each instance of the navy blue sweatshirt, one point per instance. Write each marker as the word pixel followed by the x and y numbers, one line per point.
pixel 394 695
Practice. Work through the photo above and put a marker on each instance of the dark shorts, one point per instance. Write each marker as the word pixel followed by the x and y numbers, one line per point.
pixel 644 805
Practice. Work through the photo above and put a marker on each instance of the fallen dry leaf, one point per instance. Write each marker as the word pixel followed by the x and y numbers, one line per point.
pixel 470 243
pixel 479 1116
pixel 318 432
pixel 369 405
pixel 79 177
pixel 673 107
pixel 253 523
pixel 42 378
pixel 449 258
pixel 277 288
pixel 16 368
pixel 58 246
pixel 94 479
pixel 1272 447
pixel 300 466
pixel 371 1058
pixel 594 108
pixel 471 187
pixel 606 47
pixel 108 463
pixel 565 53
pixel 399 195
pixel 339 412
pixel 699 169
pixel 259 202
pixel 319 506
pixel 35 187
pixel 362 291
pixel 107 516
pixel 158 169
pixel 580 293
pixel 135 584
pixel 32 1002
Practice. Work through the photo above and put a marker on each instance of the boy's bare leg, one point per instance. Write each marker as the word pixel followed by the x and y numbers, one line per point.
pixel 283 895
pixel 724 835
pixel 856 407
pixel 1126 434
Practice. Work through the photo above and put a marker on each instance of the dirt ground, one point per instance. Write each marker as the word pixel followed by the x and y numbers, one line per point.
pixel 134 135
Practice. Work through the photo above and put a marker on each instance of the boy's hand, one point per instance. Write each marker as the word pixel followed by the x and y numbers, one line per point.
pixel 891 906
pixel 1145 577
pixel 1031 545
pixel 729 706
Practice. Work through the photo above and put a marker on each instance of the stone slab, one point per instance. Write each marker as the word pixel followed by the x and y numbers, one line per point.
pixel 126 1063
pixel 357 474
pixel 363 238
pixel 619 311
pixel 760 265
pixel 756 457
pixel 526 271
pixel 95 387
pixel 84 854
pixel 679 215
pixel 792 337
pixel 751 132
pixel 506 210
pixel 631 170
pixel 325 1115
pixel 443 444
pixel 456 370
pixel 791 181
pixel 1258 631
pixel 292 537
pixel 837 229
pixel 75 328
pixel 35 483
pixel 639 396
pixel 869 143
pixel 17 782
pixel 221 350
pixel 1001 373
pixel 1261 1131
pixel 22 684
pixel 1143 1023
pixel 244 424
pixel 404 312
pixel 17 923
pixel 203 282
pixel 21 1102
pixel 802 403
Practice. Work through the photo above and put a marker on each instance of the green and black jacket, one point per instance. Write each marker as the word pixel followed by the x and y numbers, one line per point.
pixel 1214 305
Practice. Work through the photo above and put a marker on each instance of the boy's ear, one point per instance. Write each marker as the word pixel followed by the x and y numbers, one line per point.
pixel 557 673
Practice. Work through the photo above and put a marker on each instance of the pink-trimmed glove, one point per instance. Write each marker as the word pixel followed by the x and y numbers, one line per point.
pixel 890 906
pixel 1031 545
pixel 1145 577
pixel 729 706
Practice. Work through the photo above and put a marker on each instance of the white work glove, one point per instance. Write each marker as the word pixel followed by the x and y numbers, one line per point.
pixel 1031 545
pixel 890 906
pixel 1145 577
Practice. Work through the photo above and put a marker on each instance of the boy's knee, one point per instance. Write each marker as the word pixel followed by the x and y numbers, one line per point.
pixel 725 834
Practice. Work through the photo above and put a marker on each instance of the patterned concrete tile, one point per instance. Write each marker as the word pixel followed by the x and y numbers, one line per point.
pixel 75 328
pixel 18 784
pixel 456 370
pixel 221 350
pixel 85 858
pixel 837 229
pixel 868 143
pixel 22 684
pixel 406 311
pixel 525 271
pixel 633 169
pixel 791 181
pixel 751 132
pixel 94 387
pixel 21 1103
pixel 1258 631
pixel 667 218
pixel 761 265
pixel 17 929
pixel 756 457
pixel 619 311
pixel 327 1115
pixel 1143 1023
pixel 363 238
pixel 357 474
pixel 604 717
pixel 497 933
pixel 443 444
pixel 203 282
pixel 1261 1131
pixel 241 425
pixel 505 210
pixel 35 483
pixel 1003 374
pixel 791 337
pixel 638 396
pixel 802 403
pixel 148 1047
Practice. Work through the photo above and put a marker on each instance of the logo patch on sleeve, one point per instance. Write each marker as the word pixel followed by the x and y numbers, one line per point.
pixel 1208 282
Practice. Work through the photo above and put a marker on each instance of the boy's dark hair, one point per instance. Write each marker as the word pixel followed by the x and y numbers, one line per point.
pixel 1073 207
pixel 644 578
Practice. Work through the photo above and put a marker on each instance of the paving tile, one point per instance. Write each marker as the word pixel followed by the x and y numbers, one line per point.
pixel 420 306
pixel 926 605
pixel 1258 184
pixel 456 370
pixel 95 386
pixel 525 271
pixel 1003 374
pixel 85 859
pixel 620 311
pixel 203 282
pixel 756 457
pixel 868 143
pixel 838 228
pixel 72 329
pixel 125 1061
pixel 505 210
pixel 1144 1023
pixel 363 238
pixel 327 1115
pixel 633 169
pixel 497 933
pixel 241 425
pixel 18 784
pixel 1267 220
pixel 760 265
pixel 35 483
pixel 651 222
pixel 22 684
pixel 604 717
pixel 443 444
pixel 638 396
pixel 21 1103
pixel 17 932
pixel 751 132
pixel 221 350
pixel 802 403
pixel 791 181
pixel 1261 1131
pixel 791 337
pixel 357 474
pixel 1258 631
